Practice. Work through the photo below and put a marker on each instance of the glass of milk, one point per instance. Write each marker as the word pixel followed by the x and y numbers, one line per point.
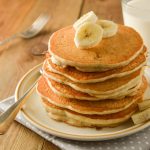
pixel 136 13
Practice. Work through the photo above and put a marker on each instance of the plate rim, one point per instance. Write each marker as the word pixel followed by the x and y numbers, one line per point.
pixel 95 137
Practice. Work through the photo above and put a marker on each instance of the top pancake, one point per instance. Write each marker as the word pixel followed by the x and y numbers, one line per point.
pixel 110 53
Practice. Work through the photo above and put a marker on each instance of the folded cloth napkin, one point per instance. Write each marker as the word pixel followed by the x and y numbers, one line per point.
pixel 138 141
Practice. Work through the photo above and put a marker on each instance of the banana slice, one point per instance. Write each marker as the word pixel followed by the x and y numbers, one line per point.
pixel 110 28
pixel 141 116
pixel 88 35
pixel 89 17
pixel 144 105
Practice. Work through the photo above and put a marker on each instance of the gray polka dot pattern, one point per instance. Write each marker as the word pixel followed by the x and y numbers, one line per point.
pixel 138 141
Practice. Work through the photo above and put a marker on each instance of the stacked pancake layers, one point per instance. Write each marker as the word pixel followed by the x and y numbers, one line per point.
pixel 96 87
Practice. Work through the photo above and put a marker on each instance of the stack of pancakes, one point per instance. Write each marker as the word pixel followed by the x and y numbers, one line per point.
pixel 96 87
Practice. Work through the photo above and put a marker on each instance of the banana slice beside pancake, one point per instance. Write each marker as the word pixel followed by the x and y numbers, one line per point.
pixel 141 117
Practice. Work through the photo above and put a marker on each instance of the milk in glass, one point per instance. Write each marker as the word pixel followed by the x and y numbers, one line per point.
pixel 136 13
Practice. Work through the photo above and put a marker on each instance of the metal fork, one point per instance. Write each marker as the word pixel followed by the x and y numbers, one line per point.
pixel 7 117
pixel 31 31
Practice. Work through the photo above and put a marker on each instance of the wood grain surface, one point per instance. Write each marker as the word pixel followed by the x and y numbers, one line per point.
pixel 16 57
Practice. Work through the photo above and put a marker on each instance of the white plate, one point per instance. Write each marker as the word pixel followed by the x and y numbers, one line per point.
pixel 35 113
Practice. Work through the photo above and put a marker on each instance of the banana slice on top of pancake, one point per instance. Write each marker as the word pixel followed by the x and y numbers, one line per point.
pixel 88 35
pixel 109 27
pixel 89 17
pixel 90 30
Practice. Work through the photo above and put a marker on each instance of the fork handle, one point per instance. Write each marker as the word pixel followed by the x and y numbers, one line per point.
pixel 7 117
pixel 8 39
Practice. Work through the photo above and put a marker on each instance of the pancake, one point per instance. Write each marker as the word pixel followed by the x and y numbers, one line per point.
pixel 106 87
pixel 113 52
pixel 68 92
pixel 77 119
pixel 91 77
pixel 88 107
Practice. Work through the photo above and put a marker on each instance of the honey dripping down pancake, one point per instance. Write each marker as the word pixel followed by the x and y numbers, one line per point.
pixel 91 77
pixel 116 51
pixel 89 107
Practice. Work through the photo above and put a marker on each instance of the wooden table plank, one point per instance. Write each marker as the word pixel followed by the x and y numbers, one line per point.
pixel 104 9
pixel 47 146
pixel 27 139
pixel 16 57
pixel 9 136
pixel 11 16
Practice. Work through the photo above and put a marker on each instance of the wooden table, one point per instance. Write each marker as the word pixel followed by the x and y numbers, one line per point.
pixel 16 58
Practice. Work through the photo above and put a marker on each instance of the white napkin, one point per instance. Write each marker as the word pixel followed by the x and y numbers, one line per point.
pixel 138 141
